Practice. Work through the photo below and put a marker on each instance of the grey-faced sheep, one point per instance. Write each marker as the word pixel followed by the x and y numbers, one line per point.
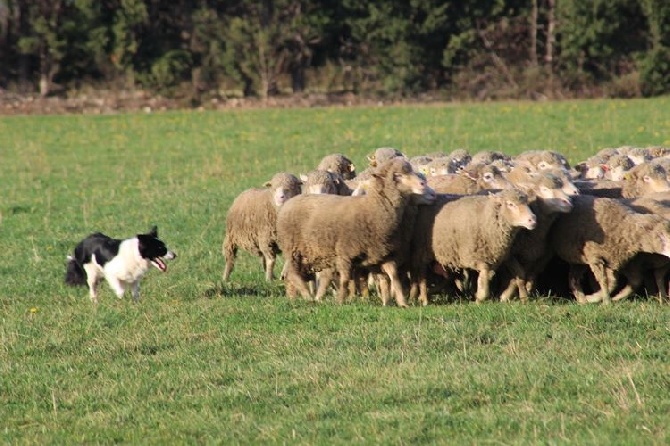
pixel 604 234
pixel 616 167
pixel 474 232
pixel 328 232
pixel 644 179
pixel 251 222
pixel 530 253
pixel 383 154
pixel 471 180
pixel 339 164
pixel 542 159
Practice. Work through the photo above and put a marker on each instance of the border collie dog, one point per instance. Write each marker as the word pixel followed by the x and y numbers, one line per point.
pixel 122 262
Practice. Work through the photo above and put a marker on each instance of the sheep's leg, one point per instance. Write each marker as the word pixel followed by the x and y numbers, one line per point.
pixel 635 279
pixel 344 270
pixel 516 272
pixel 602 277
pixel 230 253
pixel 483 283
pixel 509 292
pixel 419 288
pixel 294 281
pixel 269 259
pixel 391 270
pixel 323 279
pixel 661 285
pixel 384 287
pixel 575 275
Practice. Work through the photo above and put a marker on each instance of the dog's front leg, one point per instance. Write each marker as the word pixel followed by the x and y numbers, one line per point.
pixel 118 286
pixel 136 290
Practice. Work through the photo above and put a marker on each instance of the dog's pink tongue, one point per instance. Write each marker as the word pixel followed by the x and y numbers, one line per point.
pixel 161 265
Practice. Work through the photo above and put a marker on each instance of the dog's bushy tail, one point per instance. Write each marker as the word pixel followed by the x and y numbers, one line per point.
pixel 74 274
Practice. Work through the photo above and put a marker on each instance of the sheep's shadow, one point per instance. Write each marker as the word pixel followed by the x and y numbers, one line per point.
pixel 242 290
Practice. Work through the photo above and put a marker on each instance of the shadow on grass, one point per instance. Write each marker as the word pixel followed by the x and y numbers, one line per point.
pixel 243 290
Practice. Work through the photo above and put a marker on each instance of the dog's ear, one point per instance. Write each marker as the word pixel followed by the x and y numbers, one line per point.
pixel 154 231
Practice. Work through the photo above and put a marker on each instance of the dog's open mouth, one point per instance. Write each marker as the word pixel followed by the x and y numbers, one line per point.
pixel 159 263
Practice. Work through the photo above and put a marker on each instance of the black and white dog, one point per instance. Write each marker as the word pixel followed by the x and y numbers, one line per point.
pixel 121 262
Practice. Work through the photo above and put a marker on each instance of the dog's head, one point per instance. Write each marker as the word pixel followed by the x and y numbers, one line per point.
pixel 154 249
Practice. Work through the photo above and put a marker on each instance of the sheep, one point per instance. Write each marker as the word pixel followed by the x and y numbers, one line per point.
pixel 440 166
pixel 488 157
pixel 529 253
pixel 604 234
pixel 474 232
pixel 420 163
pixel 591 169
pixel 616 166
pixel 638 155
pixel 542 159
pixel 458 159
pixel 334 233
pixel 383 154
pixel 324 182
pixel 251 222
pixel 338 163
pixel 474 178
pixel 644 179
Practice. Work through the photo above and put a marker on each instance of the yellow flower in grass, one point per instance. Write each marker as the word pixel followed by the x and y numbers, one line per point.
pixel 33 310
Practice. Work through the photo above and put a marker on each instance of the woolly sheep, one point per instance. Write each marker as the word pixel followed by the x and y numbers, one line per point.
pixel 471 180
pixel 333 233
pixel 542 159
pixel 383 154
pixel 604 234
pixel 251 222
pixel 474 232
pixel 644 179
pixel 488 157
pixel 530 254
pixel 324 182
pixel 616 167
pixel 338 163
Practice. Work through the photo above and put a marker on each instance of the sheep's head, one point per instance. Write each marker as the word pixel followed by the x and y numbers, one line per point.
pixel 284 186
pixel 339 164
pixel 617 166
pixel 549 189
pixel 488 176
pixel 383 154
pixel 514 208
pixel 399 172
pixel 320 182
pixel 650 177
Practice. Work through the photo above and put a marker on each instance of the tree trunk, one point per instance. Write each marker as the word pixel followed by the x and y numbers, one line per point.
pixel 551 25
pixel 533 34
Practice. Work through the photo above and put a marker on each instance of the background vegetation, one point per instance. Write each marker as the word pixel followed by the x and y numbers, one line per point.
pixel 201 361
pixel 217 49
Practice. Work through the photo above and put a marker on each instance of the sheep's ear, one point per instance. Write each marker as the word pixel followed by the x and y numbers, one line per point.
pixel 154 231
pixel 267 184
pixel 352 167
pixel 303 177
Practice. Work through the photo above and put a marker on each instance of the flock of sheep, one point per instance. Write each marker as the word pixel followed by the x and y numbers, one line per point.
pixel 487 225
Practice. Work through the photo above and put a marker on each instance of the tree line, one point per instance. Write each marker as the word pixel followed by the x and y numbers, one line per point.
pixel 473 48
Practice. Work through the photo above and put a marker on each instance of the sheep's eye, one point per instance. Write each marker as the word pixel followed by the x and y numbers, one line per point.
pixel 488 177
pixel 542 165
pixel 511 205
pixel 647 178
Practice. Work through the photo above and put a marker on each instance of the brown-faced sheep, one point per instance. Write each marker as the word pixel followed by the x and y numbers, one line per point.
pixel 604 234
pixel 471 180
pixel 251 222
pixel 530 253
pixel 474 232
pixel 339 164
pixel 334 233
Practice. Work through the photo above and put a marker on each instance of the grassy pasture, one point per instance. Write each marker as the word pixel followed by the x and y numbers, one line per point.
pixel 201 361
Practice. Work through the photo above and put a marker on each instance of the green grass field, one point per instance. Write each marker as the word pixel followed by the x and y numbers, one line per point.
pixel 199 361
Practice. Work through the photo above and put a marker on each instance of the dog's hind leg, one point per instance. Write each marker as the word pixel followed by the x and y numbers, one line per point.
pixel 136 290
pixel 92 280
